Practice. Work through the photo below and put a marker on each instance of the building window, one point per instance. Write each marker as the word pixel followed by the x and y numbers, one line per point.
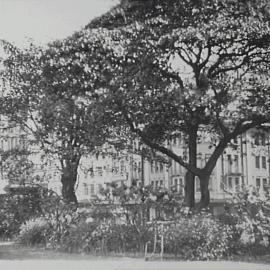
pixel 210 183
pixel 161 167
pixel 260 139
pixel 236 164
pixel 174 167
pixel 197 184
pixel 161 183
pixel 243 182
pixel 156 165
pixel 135 167
pixel 230 183
pixel 229 163
pixel 264 162
pixel 237 183
pixel 181 186
pixel 85 189
pixel 92 189
pixel 258 183
pixel 123 167
pixel 264 184
pixel 176 184
pixel 257 162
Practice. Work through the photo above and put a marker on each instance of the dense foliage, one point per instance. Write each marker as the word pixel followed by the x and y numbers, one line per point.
pixel 15 210
pixel 44 92
pixel 192 68
pixel 122 228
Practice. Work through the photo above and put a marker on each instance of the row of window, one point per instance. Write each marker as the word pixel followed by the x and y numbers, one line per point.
pixel 12 143
pixel 177 185
pixel 260 162
pixel 89 189
pixel 157 183
pixel 236 183
pixel 157 167
pixel 233 183
pixel 201 161
pixel 233 163
pixel 261 183
pixel 259 139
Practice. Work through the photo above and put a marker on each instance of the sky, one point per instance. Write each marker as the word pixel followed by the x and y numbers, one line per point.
pixel 46 20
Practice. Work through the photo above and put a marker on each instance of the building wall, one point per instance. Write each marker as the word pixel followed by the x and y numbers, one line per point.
pixel 245 162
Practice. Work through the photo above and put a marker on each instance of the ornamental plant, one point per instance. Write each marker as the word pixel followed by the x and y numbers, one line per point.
pixel 34 232
pixel 198 237
pixel 250 208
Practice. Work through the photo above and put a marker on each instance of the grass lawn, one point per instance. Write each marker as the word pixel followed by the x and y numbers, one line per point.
pixel 13 251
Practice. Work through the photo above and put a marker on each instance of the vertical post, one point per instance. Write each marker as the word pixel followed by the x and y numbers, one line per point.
pixel 242 159
pixel 142 185
pixel 142 167
pixel 268 146
pixel 246 158
pixel 222 186
pixel 162 242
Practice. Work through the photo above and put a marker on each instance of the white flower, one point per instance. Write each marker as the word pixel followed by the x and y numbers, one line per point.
pixel 252 199
pixel 247 238
pixel 265 241
pixel 166 197
pixel 89 220
pixel 153 197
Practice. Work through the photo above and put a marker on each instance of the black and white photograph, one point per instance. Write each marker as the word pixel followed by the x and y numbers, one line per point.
pixel 135 134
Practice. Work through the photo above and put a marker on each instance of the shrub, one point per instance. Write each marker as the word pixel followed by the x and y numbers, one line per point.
pixel 250 209
pixel 198 237
pixel 78 238
pixel 33 232
pixel 15 210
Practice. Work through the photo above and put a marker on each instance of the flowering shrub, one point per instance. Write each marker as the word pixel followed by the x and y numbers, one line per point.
pixel 63 219
pixel 112 237
pixel 34 232
pixel 198 237
pixel 251 210
pixel 15 210
pixel 78 238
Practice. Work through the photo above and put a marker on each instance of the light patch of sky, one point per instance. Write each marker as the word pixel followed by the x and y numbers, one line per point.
pixel 47 20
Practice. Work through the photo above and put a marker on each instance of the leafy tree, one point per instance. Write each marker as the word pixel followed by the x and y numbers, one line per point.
pixel 45 93
pixel 192 68
pixel 17 167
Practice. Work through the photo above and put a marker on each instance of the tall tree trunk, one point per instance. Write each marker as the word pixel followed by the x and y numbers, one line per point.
pixel 205 174
pixel 189 200
pixel 68 180
pixel 205 194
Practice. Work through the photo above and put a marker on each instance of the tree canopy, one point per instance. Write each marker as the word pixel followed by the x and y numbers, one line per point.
pixel 53 95
pixel 158 68
pixel 189 67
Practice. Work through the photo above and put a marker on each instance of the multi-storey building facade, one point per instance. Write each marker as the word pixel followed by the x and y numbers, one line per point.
pixel 16 146
pixel 245 162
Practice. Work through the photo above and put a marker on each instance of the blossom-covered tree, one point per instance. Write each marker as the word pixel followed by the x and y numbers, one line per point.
pixel 190 68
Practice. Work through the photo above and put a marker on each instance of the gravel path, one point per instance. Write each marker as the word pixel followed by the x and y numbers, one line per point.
pixel 15 257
